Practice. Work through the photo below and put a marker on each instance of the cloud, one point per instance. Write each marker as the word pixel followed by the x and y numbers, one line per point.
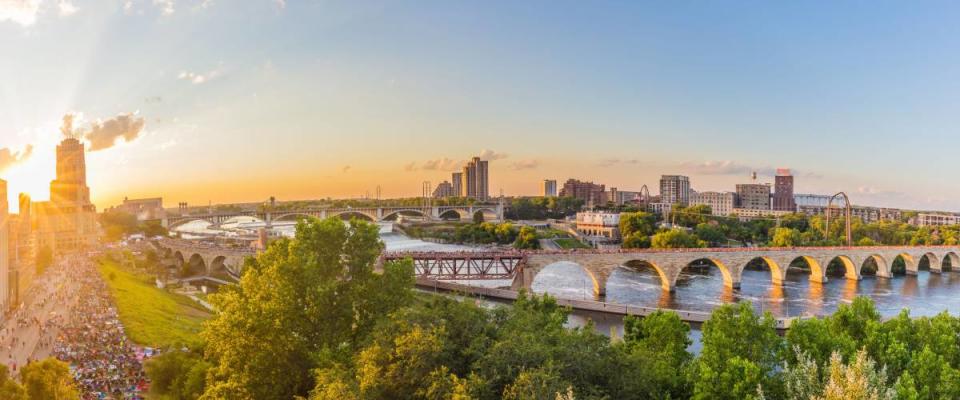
pixel 166 6
pixel 442 164
pixel 410 167
pixel 491 155
pixel 66 8
pixel 103 135
pixel 9 158
pixel 345 169
pixel 282 4
pixel 524 164
pixel 23 12
pixel 609 162
pixel 724 168
pixel 199 78
pixel 168 145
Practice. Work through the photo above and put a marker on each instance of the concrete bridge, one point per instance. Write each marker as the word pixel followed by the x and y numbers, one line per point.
pixel 491 212
pixel 731 262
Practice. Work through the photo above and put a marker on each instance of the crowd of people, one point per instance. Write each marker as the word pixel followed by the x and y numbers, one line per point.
pixel 92 340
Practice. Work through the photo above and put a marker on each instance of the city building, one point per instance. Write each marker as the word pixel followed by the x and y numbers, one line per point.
pixel 746 214
pixel 753 196
pixel 475 179
pixel 720 203
pixel 820 200
pixel 145 209
pixel 621 197
pixel 592 194
pixel 932 219
pixel 5 255
pixel 68 222
pixel 548 188
pixel 675 189
pixel 443 190
pixel 783 191
pixel 21 264
pixel 599 227
pixel 865 214
pixel 456 182
pixel 660 208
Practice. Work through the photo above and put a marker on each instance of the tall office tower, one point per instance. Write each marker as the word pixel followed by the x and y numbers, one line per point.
pixel 674 189
pixel 783 191
pixel 67 223
pixel 476 179
pixel 4 247
pixel 457 183
pixel 443 190
pixel 469 179
pixel 549 188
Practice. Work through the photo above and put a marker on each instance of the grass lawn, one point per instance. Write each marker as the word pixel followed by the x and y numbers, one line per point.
pixel 152 316
pixel 570 243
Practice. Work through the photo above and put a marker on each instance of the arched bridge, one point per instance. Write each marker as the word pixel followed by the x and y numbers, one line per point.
pixel 523 266
pixel 491 212
pixel 198 259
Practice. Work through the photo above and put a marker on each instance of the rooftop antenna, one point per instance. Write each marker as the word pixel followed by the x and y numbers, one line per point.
pixel 754 176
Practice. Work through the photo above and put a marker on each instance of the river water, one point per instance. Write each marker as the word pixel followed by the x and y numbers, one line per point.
pixel 701 289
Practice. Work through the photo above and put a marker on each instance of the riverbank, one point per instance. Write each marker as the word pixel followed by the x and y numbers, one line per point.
pixel 695 318
pixel 152 317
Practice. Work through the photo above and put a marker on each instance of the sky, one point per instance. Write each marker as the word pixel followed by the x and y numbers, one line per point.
pixel 236 101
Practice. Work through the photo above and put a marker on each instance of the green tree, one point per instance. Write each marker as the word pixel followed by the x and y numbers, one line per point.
pixel 478 217
pixel 786 237
pixel 177 375
pixel 10 389
pixel 675 239
pixel 740 351
pixel 640 222
pixel 655 358
pixel 861 380
pixel 711 233
pixel 637 240
pixel 527 239
pixel 544 383
pixel 49 379
pixel 303 298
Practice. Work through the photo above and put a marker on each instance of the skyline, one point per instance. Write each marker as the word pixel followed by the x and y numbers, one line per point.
pixel 240 101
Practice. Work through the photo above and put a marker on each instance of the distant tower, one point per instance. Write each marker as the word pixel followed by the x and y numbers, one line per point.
pixel 783 191
pixel 4 247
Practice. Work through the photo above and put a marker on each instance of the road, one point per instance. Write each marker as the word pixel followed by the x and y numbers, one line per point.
pixel 29 333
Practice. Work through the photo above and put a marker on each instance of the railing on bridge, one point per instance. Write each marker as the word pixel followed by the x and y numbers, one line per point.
pixel 462 265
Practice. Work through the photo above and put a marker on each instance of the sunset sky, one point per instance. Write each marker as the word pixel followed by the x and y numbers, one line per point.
pixel 240 100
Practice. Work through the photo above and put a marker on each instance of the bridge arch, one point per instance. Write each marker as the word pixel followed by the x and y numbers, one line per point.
pixel 446 214
pixel 850 269
pixel 950 262
pixel 817 272
pixel 347 214
pixel 598 283
pixel 728 278
pixel 777 272
pixel 195 265
pixel 397 213
pixel 883 267
pixel 667 282
pixel 909 263
pixel 181 222
pixel 932 262
pixel 296 216
pixel 218 265
pixel 489 214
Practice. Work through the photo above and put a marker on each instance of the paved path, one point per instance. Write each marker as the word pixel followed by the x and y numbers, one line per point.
pixel 47 301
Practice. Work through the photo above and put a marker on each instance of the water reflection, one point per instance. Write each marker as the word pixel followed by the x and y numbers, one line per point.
pixel 702 289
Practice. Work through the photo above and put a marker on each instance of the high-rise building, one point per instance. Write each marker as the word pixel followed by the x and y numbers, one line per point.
pixel 457 183
pixel 783 191
pixel 721 204
pixel 675 189
pixel 443 190
pixel 475 179
pixel 67 222
pixel 753 196
pixel 4 248
pixel 592 194
pixel 549 188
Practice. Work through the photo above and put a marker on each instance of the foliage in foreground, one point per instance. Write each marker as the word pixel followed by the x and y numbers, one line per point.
pixel 311 319
pixel 42 380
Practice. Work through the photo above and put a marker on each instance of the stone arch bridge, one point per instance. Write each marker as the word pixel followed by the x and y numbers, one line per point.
pixel 731 262
pixel 491 212
pixel 203 260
